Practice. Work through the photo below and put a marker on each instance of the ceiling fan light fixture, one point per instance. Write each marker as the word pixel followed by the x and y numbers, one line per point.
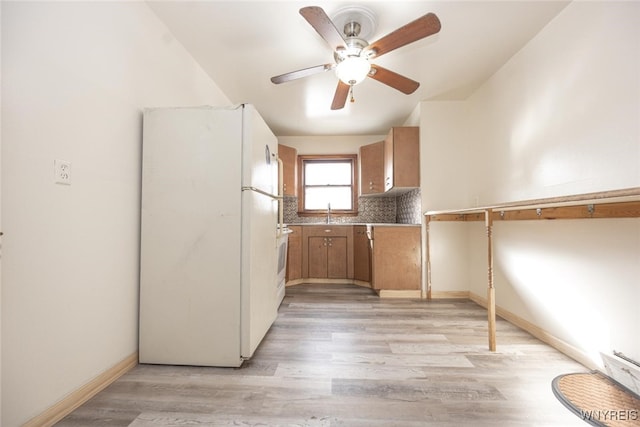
pixel 352 52
pixel 353 69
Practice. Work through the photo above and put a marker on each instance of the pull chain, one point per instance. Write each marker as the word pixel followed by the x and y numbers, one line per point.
pixel 351 93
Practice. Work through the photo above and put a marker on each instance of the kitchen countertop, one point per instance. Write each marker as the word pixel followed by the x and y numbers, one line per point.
pixel 374 224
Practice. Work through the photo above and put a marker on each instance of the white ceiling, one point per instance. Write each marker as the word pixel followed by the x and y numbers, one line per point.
pixel 242 44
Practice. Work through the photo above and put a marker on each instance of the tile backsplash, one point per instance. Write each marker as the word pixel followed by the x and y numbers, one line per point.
pixel 403 209
pixel 409 207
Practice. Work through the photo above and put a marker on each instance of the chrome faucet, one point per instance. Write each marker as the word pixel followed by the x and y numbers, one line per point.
pixel 328 213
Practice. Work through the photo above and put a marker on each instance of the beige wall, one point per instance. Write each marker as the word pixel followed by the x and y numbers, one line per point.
pixel 560 118
pixel 75 78
pixel 339 144
pixel 0 228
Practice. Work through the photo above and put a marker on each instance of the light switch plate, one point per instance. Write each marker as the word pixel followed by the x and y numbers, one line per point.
pixel 62 171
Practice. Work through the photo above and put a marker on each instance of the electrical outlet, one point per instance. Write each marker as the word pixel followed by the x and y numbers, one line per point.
pixel 62 171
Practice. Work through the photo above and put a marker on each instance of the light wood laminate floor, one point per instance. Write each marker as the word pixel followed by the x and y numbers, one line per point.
pixel 340 356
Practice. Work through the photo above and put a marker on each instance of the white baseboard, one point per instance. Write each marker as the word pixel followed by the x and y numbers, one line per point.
pixel 329 282
pixel 382 293
pixel 543 335
pixel 450 295
pixel 399 293
pixel 75 399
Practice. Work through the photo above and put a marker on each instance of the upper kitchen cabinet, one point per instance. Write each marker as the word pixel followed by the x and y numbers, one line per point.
pixel 289 157
pixel 372 169
pixel 402 159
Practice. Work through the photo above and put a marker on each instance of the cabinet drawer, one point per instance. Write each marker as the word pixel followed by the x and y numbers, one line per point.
pixel 327 230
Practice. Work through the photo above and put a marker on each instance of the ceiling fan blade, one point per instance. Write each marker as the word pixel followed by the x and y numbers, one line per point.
pixel 394 80
pixel 420 28
pixel 340 98
pixel 322 24
pixel 301 73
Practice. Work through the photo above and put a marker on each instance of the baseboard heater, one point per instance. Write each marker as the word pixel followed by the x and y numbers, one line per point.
pixel 623 369
pixel 623 357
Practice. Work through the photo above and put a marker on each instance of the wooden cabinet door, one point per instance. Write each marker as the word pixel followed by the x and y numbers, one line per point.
pixel 327 251
pixel 337 257
pixel 294 254
pixel 388 162
pixel 397 258
pixel 402 158
pixel 361 254
pixel 406 157
pixel 317 257
pixel 289 155
pixel 372 168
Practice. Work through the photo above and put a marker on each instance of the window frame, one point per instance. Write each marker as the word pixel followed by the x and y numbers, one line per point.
pixel 351 158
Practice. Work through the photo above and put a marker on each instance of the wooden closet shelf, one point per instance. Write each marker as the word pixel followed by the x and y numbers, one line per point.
pixel 602 210
pixel 609 204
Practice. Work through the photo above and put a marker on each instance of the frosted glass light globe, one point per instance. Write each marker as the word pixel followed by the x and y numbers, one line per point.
pixel 353 70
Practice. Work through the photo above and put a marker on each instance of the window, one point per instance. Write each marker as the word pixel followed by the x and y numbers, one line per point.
pixel 327 181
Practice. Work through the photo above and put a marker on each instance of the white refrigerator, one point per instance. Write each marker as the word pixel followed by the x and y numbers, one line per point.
pixel 209 213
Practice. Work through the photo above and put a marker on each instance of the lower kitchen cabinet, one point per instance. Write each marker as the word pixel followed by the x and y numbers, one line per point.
pixel 327 252
pixel 361 254
pixel 294 255
pixel 396 258
pixel 392 262
pixel 327 257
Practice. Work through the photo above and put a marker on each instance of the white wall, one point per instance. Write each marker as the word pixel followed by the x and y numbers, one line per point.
pixel 561 117
pixel 444 181
pixel 414 117
pixel 75 78
pixel 444 158
pixel 0 225
pixel 338 144
pixel 564 112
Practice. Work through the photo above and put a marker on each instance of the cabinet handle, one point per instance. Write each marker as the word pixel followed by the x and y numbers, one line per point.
pixel 328 230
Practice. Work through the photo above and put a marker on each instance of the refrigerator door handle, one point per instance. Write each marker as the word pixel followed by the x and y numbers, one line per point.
pixel 280 196
pixel 264 193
